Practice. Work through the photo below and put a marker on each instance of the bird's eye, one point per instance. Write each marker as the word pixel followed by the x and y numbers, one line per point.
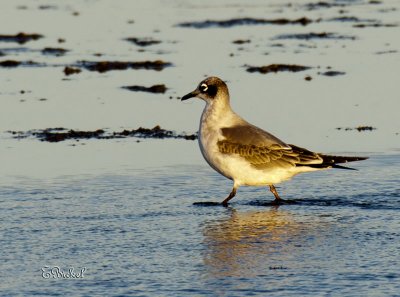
pixel 203 87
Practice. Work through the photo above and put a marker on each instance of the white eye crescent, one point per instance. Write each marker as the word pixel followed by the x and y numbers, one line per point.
pixel 203 87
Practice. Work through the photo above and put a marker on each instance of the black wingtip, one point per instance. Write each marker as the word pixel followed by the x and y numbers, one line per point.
pixel 343 167
pixel 363 158
pixel 331 160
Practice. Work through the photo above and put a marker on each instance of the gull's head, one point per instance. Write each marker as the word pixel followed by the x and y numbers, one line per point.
pixel 211 89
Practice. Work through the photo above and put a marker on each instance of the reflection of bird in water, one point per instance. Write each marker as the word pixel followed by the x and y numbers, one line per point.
pixel 250 243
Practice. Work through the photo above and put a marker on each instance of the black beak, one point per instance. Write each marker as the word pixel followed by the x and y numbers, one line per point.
pixel 190 95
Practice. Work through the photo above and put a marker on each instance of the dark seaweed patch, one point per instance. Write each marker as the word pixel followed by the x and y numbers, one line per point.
pixel 321 5
pixel 71 70
pixel 350 19
pixel 46 7
pixel 243 22
pixel 55 136
pixel 277 68
pixel 158 89
pixel 344 19
pixel 332 73
pixel 20 37
pixel 10 63
pixel 143 41
pixel 156 132
pixel 241 41
pixel 56 51
pixel 61 134
pixel 308 36
pixel 374 25
pixel 365 128
pixel 13 63
pixel 104 66
pixel 359 128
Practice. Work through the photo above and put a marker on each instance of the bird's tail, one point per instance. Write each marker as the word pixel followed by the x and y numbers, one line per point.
pixel 329 161
pixel 311 159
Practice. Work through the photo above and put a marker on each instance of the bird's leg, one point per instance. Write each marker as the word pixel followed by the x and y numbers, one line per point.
pixel 278 200
pixel 231 195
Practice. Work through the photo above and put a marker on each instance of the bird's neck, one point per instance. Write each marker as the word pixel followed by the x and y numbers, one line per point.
pixel 217 113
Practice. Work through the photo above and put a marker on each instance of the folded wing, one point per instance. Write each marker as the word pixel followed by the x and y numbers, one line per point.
pixel 266 157
pixel 264 151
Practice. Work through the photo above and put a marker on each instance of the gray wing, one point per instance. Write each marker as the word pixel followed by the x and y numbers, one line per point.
pixel 263 150
pixel 251 135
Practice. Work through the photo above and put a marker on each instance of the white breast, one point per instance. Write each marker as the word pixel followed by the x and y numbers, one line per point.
pixel 209 134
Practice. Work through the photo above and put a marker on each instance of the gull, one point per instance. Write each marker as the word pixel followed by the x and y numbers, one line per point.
pixel 245 153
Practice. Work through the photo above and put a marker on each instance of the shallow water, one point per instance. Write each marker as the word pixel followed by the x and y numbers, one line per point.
pixel 135 214
pixel 139 233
